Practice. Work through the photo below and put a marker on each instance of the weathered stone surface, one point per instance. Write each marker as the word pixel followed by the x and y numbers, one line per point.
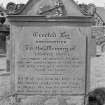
pixel 53 100
pixel 33 8
pixel 8 101
pixel 3 64
pixel 49 60
pixel 4 85
pixel 42 100
pixel 99 34
pixel 48 55
pixel 97 72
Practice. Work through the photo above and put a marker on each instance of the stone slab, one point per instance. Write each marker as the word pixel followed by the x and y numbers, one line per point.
pixel 49 60
pixel 54 100
pixel 97 72
pixel 4 85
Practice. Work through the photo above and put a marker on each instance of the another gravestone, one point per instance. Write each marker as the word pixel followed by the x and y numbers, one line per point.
pixel 97 63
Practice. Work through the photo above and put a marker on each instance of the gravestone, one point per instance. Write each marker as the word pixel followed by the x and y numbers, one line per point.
pixel 4 75
pixel 97 72
pixel 4 84
pixel 50 54
pixel 98 32
pixel 97 63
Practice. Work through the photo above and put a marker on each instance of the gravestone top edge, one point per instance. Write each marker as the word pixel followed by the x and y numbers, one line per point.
pixel 71 19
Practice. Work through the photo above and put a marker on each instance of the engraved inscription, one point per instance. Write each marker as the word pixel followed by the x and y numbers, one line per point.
pixel 50 61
